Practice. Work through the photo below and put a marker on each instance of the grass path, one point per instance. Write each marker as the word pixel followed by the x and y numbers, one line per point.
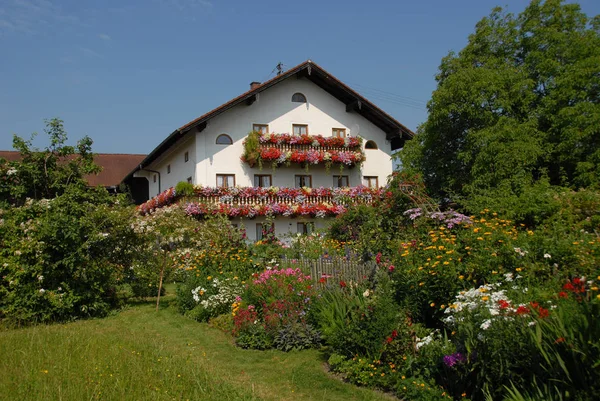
pixel 140 354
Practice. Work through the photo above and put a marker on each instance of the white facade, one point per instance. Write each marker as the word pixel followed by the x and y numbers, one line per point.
pixel 322 113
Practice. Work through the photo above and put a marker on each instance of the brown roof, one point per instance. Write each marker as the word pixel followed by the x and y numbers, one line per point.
pixel 115 166
pixel 394 130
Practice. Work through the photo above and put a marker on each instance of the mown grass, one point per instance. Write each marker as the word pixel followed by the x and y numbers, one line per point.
pixel 140 354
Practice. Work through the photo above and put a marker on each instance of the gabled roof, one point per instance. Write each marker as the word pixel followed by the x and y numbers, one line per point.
pixel 395 131
pixel 115 166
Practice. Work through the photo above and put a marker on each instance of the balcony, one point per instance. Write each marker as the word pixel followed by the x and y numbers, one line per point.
pixel 273 201
pixel 306 150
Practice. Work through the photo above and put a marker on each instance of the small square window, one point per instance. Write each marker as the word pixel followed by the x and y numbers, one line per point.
pixel 303 181
pixel 262 128
pixel 371 182
pixel 300 129
pixel 186 156
pixel 189 180
pixel 339 132
pixel 168 169
pixel 340 181
pixel 259 231
pixel 226 180
pixel 262 180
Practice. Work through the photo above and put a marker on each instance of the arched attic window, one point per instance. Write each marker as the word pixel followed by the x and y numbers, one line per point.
pixel 298 98
pixel 371 145
pixel 224 139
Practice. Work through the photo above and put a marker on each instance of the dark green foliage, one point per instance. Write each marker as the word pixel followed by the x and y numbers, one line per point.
pixel 254 337
pixel 296 336
pixel 517 109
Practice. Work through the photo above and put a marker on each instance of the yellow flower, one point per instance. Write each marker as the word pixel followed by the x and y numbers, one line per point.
pixel 519 269
pixel 209 278
pixel 432 304
pixel 461 277
pixel 485 298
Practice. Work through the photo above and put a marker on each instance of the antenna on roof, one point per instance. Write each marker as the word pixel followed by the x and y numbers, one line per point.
pixel 279 68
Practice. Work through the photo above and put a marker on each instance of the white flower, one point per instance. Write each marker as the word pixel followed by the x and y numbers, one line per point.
pixel 40 278
pixel 531 324
pixel 508 276
pixel 11 171
pixel 17 252
pixel 486 324
pixel 42 291
pixel 547 256
pixel 366 293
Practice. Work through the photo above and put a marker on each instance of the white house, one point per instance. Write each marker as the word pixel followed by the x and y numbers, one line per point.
pixel 305 100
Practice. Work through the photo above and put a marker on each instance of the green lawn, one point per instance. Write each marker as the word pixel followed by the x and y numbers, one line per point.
pixel 140 354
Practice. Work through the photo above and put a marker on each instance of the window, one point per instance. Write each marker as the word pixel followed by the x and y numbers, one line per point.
pixel 224 139
pixel 259 231
pixel 154 178
pixel 371 182
pixel 226 180
pixel 340 181
pixel 189 180
pixel 186 157
pixel 300 129
pixel 371 145
pixel 168 169
pixel 304 228
pixel 262 128
pixel 339 132
pixel 262 180
pixel 264 230
pixel 303 181
pixel 298 98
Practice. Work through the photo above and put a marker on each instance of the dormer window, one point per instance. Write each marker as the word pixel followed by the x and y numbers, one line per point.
pixel 298 98
pixel 224 139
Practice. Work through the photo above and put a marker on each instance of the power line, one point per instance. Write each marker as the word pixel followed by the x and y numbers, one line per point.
pixel 389 95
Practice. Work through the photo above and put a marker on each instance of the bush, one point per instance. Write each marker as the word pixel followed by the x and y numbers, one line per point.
pixel 64 258
pixel 278 301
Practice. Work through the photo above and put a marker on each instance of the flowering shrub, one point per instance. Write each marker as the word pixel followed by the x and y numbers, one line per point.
pixel 273 310
pixel 214 296
pixel 64 258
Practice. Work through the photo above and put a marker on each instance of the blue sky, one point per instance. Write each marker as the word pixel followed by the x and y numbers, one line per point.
pixel 127 73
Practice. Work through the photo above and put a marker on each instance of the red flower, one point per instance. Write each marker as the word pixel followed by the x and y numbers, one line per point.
pixel 522 310
pixel 391 268
pixel 563 294
pixel 394 333
pixel 342 284
pixel 389 340
pixel 503 304
pixel 378 258
pixel 543 312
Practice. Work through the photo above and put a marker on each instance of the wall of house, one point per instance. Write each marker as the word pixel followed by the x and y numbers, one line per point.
pixel 274 107
pixel 285 227
pixel 180 169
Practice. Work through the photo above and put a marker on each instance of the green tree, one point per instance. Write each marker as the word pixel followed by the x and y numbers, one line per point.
pixel 516 112
pixel 44 174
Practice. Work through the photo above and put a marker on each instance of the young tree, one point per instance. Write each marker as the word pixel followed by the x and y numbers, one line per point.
pixel 516 111
pixel 44 174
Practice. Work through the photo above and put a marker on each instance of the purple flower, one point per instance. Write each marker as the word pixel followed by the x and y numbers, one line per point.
pixel 453 359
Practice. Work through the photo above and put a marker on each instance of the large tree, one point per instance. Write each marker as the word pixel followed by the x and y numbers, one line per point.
pixel 517 110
